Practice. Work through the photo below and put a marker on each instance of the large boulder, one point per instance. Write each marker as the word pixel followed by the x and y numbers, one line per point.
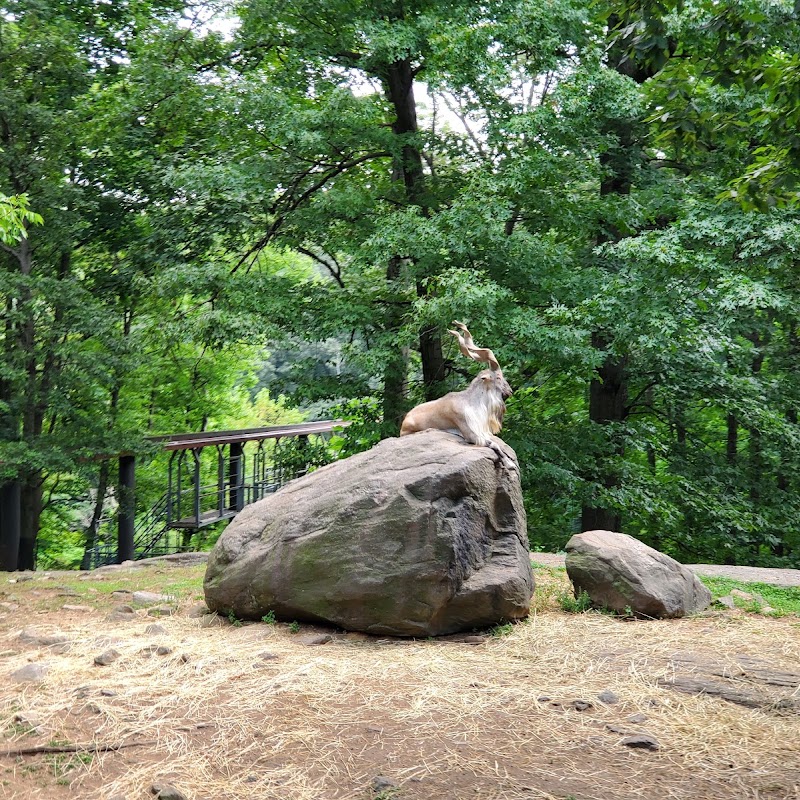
pixel 420 536
pixel 620 573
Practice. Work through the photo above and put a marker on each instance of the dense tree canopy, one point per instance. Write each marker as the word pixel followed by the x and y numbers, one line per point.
pixel 605 192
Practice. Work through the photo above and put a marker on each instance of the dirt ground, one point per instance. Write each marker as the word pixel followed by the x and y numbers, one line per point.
pixel 585 706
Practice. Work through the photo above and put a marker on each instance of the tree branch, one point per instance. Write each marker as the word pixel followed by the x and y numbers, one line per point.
pixel 293 203
pixel 91 747
pixel 335 273
pixel 463 119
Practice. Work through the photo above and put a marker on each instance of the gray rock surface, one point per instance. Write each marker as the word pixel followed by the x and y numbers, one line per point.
pixel 55 640
pixel 620 573
pixel 166 791
pixel 106 657
pixel 641 741
pixel 161 611
pixel 149 598
pixel 30 673
pixel 422 535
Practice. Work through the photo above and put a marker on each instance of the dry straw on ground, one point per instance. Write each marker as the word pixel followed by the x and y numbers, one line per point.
pixel 255 711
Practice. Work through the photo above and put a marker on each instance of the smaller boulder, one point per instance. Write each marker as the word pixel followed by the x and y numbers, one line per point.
pixel 621 573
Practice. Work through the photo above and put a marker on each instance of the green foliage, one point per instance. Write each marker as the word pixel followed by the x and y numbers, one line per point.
pixel 574 603
pixel 239 228
pixel 504 629
pixel 15 216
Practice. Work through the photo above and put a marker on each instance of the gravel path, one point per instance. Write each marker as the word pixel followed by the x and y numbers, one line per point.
pixel 776 577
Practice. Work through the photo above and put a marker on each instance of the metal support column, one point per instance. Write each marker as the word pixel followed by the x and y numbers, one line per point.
pixel 235 474
pixel 196 480
pixel 127 508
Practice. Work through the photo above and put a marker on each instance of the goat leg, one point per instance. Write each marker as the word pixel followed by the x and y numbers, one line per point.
pixel 502 457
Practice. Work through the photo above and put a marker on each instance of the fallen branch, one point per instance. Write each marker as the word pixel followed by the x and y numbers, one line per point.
pixel 70 748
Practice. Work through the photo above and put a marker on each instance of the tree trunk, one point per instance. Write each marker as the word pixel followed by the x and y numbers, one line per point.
pixel 430 345
pixel 41 374
pixel 608 395
pixel 9 431
pixel 31 489
pixel 31 511
pixel 608 391
pixel 408 168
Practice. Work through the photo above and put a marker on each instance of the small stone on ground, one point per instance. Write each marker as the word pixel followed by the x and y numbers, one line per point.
pixel 161 611
pixel 641 741
pixel 320 638
pixel 166 791
pixel 107 657
pixel 155 629
pixel 380 783
pixel 150 598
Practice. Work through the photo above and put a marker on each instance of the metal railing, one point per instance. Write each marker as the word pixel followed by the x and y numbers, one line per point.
pixel 248 465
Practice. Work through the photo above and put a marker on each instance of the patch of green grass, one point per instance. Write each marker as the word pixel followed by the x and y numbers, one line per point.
pixel 269 618
pixel 60 764
pixel 234 620
pixel 575 604
pixel 182 582
pixel 783 599
pixel 294 627
pixel 15 729
pixel 551 583
pixel 544 568
pixel 502 630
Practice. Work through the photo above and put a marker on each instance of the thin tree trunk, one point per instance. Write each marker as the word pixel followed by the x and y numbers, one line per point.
pixel 732 439
pixel 395 374
pixel 784 485
pixel 756 461
pixel 90 540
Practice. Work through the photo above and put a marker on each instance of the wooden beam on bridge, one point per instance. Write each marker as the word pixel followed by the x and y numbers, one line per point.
pixel 193 441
